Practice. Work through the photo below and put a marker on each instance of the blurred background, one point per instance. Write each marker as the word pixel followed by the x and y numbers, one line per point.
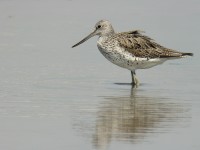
pixel 55 97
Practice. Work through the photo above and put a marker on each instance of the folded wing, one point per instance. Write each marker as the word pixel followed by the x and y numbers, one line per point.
pixel 144 47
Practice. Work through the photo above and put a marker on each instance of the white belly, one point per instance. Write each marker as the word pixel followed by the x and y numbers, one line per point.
pixel 126 60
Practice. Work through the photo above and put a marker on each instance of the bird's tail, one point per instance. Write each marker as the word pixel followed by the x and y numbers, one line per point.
pixel 187 54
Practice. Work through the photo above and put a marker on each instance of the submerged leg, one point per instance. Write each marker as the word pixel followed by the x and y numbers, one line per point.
pixel 134 79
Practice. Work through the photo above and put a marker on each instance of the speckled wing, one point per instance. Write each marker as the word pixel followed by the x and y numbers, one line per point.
pixel 144 47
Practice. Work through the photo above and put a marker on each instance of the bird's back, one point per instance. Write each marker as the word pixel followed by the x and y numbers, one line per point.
pixel 143 46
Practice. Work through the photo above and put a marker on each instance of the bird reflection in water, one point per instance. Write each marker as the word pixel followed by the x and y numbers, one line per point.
pixel 136 117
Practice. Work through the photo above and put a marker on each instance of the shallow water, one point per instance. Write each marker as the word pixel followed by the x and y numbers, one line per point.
pixel 54 97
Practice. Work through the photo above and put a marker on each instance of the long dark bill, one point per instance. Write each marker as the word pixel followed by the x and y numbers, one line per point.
pixel 85 39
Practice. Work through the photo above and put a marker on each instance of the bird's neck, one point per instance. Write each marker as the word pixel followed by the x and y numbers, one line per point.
pixel 110 31
pixel 106 35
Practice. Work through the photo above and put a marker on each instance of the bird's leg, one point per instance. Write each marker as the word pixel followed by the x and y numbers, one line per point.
pixel 134 79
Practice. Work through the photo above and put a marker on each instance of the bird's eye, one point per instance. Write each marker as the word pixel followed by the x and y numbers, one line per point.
pixel 99 26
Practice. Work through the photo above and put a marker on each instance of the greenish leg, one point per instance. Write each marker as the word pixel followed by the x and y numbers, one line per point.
pixel 135 81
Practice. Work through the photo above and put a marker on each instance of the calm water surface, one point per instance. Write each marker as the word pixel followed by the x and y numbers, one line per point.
pixel 54 97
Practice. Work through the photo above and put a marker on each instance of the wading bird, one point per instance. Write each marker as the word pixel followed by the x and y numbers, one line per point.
pixel 131 50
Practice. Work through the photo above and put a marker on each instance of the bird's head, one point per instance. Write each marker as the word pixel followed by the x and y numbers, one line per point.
pixel 102 28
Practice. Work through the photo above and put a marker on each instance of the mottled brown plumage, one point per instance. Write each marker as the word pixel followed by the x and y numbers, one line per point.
pixel 144 47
